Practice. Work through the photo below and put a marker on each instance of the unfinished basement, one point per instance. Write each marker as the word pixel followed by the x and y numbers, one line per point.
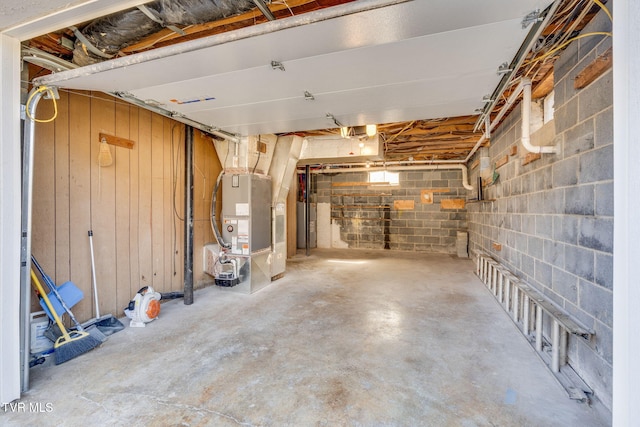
pixel 319 212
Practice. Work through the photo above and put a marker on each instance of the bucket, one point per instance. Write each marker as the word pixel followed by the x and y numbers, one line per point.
pixel 71 295
pixel 39 323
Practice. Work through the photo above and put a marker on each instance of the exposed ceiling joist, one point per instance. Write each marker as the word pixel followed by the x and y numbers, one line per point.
pixel 408 123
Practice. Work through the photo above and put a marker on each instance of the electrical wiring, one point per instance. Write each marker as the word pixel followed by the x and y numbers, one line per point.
pixel 86 95
pixel 257 161
pixel 175 161
pixel 563 45
pixel 604 8
pixel 284 2
pixel 52 94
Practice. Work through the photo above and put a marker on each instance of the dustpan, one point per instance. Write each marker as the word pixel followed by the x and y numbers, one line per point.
pixel 108 324
pixel 69 293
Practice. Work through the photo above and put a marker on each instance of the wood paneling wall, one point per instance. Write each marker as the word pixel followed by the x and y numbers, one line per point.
pixel 135 207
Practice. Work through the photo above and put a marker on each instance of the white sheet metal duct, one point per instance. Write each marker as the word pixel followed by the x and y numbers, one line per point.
pixel 328 149
pixel 399 166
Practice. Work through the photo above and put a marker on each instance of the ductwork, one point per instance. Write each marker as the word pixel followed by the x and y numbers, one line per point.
pixel 105 37
pixel 400 166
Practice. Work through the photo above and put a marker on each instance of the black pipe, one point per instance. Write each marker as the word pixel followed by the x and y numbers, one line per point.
pixel 188 217
pixel 387 226
pixel 307 209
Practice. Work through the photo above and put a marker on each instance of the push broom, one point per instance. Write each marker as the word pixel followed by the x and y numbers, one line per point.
pixel 70 344
pixel 107 324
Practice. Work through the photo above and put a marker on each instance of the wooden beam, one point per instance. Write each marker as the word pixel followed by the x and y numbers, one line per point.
pixel 531 157
pixel 598 67
pixel 544 87
pixel 452 204
pixel 247 18
pixel 117 141
pixel 502 161
pixel 426 197
pixel 354 184
pixel 403 205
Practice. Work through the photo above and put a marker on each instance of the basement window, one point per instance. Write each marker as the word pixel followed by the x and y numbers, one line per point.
pixel 384 178
pixel 548 108
pixel 543 129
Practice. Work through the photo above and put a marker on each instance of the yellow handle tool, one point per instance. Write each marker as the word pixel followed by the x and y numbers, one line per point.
pixel 66 337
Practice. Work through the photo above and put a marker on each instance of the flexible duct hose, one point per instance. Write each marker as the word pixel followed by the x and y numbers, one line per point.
pixel 214 225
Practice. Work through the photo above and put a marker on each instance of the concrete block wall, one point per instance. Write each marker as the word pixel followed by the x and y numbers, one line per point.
pixel 368 219
pixel 554 216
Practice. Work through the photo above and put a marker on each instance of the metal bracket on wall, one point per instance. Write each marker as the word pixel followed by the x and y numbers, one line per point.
pixel 531 18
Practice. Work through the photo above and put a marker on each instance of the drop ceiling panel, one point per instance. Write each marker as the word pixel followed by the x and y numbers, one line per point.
pixel 412 60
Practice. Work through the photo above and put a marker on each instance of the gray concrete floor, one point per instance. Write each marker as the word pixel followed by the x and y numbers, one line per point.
pixel 362 338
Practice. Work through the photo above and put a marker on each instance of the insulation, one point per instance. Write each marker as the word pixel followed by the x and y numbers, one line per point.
pixel 114 32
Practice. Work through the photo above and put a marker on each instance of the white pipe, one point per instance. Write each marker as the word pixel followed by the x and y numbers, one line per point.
pixel 526 121
pixel 525 87
pixel 506 107
pixel 27 207
pixel 363 168
pixel 482 139
pixel 531 41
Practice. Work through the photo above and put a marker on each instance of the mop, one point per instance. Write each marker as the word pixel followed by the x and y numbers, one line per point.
pixel 107 324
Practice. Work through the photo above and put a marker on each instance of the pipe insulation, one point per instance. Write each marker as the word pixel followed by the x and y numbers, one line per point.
pixel 112 33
